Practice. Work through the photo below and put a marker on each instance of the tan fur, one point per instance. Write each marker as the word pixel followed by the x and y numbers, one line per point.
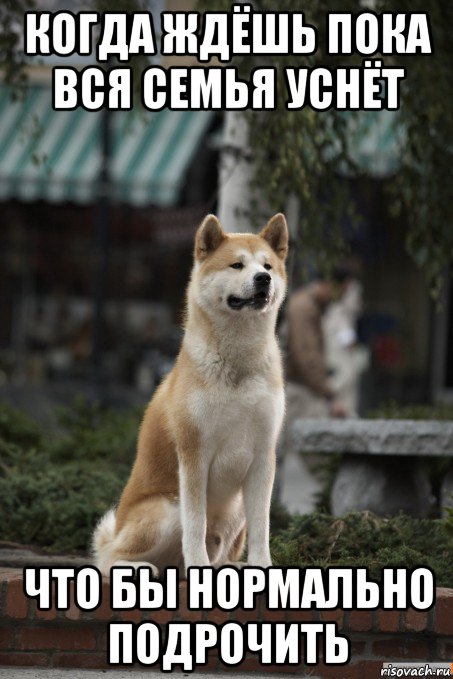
pixel 206 449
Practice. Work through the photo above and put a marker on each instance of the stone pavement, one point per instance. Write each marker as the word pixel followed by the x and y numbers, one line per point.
pixel 17 556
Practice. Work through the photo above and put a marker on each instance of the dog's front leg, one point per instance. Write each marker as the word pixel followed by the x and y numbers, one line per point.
pixel 193 491
pixel 257 500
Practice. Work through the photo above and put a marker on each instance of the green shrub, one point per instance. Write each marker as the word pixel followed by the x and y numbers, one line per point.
pixel 92 433
pixel 55 506
pixel 53 490
pixel 362 539
pixel 17 428
pixel 391 410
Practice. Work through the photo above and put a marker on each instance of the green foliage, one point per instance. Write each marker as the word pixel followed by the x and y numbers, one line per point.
pixel 280 517
pixel 361 539
pixel 421 189
pixel 391 410
pixel 294 148
pixel 98 435
pixel 12 61
pixel 53 489
pixel 19 429
pixel 449 521
pixel 55 506
pixel 325 467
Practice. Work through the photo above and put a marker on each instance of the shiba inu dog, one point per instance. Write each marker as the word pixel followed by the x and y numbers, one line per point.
pixel 205 462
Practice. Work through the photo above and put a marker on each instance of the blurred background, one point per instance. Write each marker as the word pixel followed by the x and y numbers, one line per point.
pixel 98 213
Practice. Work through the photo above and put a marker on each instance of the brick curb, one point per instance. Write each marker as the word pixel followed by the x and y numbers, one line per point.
pixel 75 638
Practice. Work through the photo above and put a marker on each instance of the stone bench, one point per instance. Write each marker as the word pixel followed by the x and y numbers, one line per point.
pixel 380 470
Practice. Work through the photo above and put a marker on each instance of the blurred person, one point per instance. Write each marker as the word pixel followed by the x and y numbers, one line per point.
pixel 346 358
pixel 310 393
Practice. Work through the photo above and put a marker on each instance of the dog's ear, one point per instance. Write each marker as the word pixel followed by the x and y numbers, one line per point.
pixel 209 236
pixel 276 234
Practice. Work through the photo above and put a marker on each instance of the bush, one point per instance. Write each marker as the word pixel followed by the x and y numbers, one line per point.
pixel 391 410
pixel 54 489
pixel 19 429
pixel 94 434
pixel 362 539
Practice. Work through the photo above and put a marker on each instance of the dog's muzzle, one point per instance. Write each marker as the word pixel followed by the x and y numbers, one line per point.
pixel 260 298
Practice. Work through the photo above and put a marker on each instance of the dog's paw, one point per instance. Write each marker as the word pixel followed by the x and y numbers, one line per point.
pixel 139 564
pixel 259 560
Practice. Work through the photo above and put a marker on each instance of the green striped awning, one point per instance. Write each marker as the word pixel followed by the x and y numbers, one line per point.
pixel 56 155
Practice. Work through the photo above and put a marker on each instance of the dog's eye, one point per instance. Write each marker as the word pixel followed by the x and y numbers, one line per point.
pixel 237 265
pixel 268 267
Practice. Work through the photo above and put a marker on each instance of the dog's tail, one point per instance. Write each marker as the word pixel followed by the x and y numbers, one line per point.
pixel 103 537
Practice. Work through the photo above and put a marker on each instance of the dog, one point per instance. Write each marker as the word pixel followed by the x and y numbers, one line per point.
pixel 205 463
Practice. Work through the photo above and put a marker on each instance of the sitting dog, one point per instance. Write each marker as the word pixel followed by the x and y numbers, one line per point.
pixel 205 462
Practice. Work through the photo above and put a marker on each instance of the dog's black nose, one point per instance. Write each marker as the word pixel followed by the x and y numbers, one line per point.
pixel 262 279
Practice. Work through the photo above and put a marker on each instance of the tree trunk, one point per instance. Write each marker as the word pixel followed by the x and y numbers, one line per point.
pixel 236 169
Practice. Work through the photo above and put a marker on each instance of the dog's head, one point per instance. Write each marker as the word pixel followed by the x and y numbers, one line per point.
pixel 240 273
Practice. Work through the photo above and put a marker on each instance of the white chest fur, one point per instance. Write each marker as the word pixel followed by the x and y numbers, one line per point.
pixel 235 424
pixel 239 409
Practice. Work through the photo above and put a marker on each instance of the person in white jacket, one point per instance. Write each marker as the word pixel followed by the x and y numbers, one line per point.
pixel 346 359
